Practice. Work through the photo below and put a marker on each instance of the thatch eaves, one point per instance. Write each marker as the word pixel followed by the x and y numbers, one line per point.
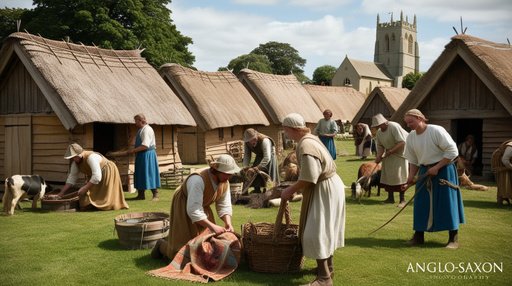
pixel 343 101
pixel 392 97
pixel 492 62
pixel 85 84
pixel 216 99
pixel 280 95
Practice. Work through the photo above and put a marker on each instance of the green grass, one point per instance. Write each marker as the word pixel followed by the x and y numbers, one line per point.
pixel 81 248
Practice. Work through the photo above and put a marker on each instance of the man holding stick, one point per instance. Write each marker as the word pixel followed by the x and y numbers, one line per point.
pixel 437 205
pixel 390 139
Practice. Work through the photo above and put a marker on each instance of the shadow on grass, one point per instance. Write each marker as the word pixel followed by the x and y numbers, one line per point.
pixel 111 244
pixel 364 201
pixel 486 205
pixel 374 242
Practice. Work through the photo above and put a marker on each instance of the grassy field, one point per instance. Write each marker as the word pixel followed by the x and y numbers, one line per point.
pixel 81 248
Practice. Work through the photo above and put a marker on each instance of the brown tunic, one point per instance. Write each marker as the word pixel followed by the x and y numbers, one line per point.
pixel 182 229
pixel 108 193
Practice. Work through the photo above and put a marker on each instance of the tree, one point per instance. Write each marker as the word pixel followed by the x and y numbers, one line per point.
pixel 113 25
pixel 8 21
pixel 284 59
pixel 410 79
pixel 252 61
pixel 323 75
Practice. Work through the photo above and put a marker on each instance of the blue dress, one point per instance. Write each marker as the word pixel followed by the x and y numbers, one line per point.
pixel 447 207
pixel 147 174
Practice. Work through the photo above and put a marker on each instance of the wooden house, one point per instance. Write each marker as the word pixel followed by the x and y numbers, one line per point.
pixel 468 90
pixel 223 109
pixel 53 93
pixel 343 101
pixel 279 95
pixel 385 100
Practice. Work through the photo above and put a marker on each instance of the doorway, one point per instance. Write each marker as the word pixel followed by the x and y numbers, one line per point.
pixel 465 127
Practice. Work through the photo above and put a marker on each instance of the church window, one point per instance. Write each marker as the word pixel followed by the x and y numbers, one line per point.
pixel 386 43
pixel 393 37
pixel 409 46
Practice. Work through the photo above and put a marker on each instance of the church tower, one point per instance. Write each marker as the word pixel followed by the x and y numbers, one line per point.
pixel 396 47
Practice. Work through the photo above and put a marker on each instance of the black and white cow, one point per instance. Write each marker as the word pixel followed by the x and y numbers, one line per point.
pixel 19 186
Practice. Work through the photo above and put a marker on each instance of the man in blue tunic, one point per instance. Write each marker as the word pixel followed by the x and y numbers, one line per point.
pixel 438 203
pixel 326 129
pixel 146 175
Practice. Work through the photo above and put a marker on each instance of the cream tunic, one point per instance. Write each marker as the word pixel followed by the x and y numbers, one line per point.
pixel 325 225
pixel 395 168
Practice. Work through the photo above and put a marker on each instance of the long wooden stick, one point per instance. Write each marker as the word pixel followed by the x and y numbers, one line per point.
pixel 406 204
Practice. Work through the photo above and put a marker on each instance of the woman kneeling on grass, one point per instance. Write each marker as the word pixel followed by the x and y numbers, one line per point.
pixel 322 215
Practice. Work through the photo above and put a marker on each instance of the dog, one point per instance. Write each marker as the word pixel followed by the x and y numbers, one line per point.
pixel 20 186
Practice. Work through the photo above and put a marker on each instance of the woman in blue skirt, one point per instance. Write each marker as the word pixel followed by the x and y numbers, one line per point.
pixel 146 175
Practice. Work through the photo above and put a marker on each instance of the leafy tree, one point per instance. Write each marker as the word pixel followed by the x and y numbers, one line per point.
pixel 323 75
pixel 284 59
pixel 113 24
pixel 252 61
pixel 8 24
pixel 410 79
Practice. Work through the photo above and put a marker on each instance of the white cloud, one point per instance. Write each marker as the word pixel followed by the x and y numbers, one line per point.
pixel 256 2
pixel 220 37
pixel 320 4
pixel 445 11
pixel 430 51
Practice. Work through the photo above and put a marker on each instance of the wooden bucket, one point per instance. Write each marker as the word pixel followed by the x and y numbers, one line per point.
pixel 141 230
pixel 62 205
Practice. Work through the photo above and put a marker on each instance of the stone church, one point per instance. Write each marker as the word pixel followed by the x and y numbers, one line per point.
pixel 396 54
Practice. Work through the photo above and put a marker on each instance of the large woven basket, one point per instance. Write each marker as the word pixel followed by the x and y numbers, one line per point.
pixel 273 248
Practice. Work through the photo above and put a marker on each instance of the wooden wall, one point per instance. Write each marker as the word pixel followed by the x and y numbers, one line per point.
pixel 223 141
pixel 19 93
pixel 461 94
pixel 2 148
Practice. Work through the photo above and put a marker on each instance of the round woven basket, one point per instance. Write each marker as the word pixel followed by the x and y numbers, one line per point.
pixel 141 230
pixel 273 248
pixel 65 205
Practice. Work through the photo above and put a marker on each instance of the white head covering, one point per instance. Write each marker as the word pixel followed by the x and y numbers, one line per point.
pixel 378 119
pixel 415 112
pixel 225 164
pixel 73 150
pixel 294 120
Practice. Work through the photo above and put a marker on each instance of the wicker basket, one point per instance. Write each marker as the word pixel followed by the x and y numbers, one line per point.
pixel 273 248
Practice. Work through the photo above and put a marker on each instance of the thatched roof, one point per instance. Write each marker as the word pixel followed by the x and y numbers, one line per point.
pixel 280 95
pixel 491 62
pixel 216 99
pixel 391 97
pixel 85 84
pixel 343 101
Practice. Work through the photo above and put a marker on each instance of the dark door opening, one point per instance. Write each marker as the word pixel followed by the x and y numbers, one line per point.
pixel 104 134
pixel 465 127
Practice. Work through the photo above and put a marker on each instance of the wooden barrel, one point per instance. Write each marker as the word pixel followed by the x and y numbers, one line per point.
pixel 141 230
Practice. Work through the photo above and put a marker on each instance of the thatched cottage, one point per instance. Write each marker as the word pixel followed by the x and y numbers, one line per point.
pixel 279 95
pixel 223 109
pixel 53 93
pixel 343 101
pixel 468 90
pixel 385 100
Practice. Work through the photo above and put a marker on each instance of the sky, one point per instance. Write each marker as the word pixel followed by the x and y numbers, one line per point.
pixel 325 31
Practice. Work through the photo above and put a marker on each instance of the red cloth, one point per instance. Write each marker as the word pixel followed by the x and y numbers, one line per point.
pixel 204 257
